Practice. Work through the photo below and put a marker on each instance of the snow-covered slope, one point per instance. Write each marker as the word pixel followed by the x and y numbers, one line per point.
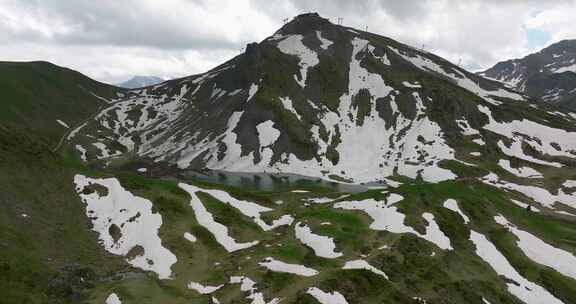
pixel 323 100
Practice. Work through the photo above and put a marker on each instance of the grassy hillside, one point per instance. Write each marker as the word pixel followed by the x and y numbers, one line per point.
pixel 36 94
pixel 47 252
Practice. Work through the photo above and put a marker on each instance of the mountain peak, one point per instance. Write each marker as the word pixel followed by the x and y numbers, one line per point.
pixel 303 23
pixel 139 81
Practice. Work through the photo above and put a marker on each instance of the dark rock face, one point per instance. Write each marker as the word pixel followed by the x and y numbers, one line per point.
pixel 549 75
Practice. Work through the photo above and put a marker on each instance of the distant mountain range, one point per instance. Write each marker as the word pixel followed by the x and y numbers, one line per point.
pixel 140 82
pixel 549 75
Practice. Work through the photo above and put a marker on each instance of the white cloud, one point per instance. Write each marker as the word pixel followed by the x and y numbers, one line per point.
pixel 111 40
pixel 557 20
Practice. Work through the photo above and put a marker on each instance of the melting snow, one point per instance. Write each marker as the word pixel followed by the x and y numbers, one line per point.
pixel 113 299
pixel 570 68
pixel 104 152
pixel 252 91
pixel 247 285
pixel 324 43
pixel 82 152
pixel 520 171
pixel 292 45
pixel 416 85
pixel 479 141
pixel 541 252
pixel 453 205
pixel 428 65
pixel 526 290
pixel 434 234
pixel 279 266
pixel 63 124
pixel 267 134
pixel 323 246
pixel 287 103
pixel 206 219
pixel 361 264
pixel 130 215
pixel 547 140
pixel 326 297
pixel 75 131
pixel 516 150
pixel 201 289
pixel 386 217
pixel 525 206
pixel 540 195
pixel 467 130
pixel 249 209
pixel 569 184
pixel 190 237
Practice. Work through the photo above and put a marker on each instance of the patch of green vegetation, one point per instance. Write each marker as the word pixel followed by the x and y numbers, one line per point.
pixel 229 216
pixel 359 286
pixel 289 252
pixel 36 94
pixel 48 254
pixel 276 281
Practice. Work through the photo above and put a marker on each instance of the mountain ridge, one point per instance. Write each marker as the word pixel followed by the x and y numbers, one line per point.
pixel 549 74
pixel 46 99
pixel 247 116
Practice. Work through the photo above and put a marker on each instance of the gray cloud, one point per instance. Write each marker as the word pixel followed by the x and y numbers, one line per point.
pixel 121 23
pixel 178 37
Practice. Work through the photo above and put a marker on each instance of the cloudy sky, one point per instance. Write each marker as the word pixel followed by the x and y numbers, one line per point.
pixel 111 40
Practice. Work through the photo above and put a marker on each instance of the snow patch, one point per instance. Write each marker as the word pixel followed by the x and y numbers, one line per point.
pixel 539 195
pixel 113 299
pixel 267 134
pixel 453 205
pixel 279 266
pixel 190 237
pixel 287 103
pixel 323 246
pixel 132 220
pixel 326 297
pixel 82 152
pixel 63 124
pixel 387 217
pixel 541 252
pixel 525 290
pixel 361 264
pixel 324 43
pixel 546 140
pixel 524 205
pixel 292 45
pixel 248 285
pixel 205 219
pixel 202 289
pixel 526 172
pixel 415 85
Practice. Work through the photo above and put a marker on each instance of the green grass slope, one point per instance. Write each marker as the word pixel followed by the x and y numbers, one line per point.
pixel 33 95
